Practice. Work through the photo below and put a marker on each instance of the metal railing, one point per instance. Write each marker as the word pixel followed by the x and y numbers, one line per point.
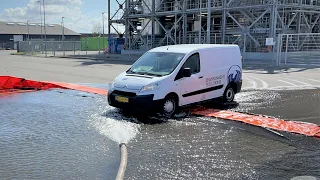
pixel 299 48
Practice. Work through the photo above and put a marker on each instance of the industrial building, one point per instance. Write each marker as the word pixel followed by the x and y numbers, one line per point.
pixel 13 32
pixel 248 23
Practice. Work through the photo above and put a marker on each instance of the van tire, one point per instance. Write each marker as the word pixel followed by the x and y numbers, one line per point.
pixel 169 106
pixel 229 94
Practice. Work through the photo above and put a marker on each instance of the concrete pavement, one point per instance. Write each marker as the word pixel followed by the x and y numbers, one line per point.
pixel 59 69
pixel 293 78
pixel 104 71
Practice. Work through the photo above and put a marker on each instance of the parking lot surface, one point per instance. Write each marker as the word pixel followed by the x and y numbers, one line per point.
pixel 66 134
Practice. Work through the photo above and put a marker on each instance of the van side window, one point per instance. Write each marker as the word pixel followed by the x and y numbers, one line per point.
pixel 193 62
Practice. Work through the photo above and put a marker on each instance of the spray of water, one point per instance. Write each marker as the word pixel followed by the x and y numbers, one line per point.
pixel 113 125
pixel 253 99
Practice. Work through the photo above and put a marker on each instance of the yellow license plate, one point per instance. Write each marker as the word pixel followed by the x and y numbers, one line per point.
pixel 122 99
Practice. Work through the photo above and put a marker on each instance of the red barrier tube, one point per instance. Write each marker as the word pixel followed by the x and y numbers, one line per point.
pixel 9 84
pixel 82 88
pixel 308 129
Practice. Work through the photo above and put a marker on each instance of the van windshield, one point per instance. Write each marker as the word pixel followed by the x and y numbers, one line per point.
pixel 156 63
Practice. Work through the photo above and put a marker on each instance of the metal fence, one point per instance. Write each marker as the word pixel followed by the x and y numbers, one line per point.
pixel 48 47
pixel 299 49
pixel 6 45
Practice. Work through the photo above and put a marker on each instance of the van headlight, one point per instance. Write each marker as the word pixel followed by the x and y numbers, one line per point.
pixel 150 87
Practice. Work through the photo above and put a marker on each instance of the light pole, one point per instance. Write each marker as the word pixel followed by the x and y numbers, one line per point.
pixel 45 32
pixel 63 36
pixel 28 36
pixel 41 26
pixel 28 30
pixel 103 32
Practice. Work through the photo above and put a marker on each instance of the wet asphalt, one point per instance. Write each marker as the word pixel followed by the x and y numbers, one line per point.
pixel 62 134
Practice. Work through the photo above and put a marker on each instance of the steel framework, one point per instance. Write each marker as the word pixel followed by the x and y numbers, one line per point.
pixel 152 23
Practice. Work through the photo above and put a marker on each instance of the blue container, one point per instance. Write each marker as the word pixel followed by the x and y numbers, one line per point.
pixel 115 45
pixel 112 49
pixel 119 48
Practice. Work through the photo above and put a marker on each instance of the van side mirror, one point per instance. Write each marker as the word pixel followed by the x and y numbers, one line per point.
pixel 186 72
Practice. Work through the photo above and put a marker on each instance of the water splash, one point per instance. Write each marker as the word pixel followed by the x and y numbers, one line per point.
pixel 114 126
pixel 250 100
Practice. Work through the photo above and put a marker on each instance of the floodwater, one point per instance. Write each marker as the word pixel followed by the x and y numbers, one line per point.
pixel 61 134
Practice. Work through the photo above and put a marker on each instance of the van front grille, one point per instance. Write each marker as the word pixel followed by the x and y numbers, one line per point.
pixel 124 93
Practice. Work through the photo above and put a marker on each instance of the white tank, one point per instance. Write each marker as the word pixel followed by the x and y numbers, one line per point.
pixel 148 26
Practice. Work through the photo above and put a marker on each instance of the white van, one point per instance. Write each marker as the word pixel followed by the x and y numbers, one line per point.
pixel 172 76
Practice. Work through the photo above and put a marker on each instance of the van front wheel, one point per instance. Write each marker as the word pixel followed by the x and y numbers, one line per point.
pixel 169 106
pixel 229 94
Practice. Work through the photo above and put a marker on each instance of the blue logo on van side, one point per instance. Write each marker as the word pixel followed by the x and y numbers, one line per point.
pixel 234 74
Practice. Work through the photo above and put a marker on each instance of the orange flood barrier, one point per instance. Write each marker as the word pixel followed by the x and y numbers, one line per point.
pixel 9 85
pixel 83 88
pixel 308 129
pixel 15 84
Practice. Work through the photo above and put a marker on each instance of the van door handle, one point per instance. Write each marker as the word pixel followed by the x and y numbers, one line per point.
pixel 200 77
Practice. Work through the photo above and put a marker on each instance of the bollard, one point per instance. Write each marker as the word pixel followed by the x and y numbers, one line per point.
pixel 123 162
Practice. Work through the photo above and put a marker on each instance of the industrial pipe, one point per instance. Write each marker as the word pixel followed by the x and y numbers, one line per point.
pixel 123 162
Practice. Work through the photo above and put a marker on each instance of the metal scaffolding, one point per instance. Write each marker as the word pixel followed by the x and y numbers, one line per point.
pixel 152 23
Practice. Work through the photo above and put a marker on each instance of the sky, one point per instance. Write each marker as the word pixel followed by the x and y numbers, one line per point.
pixel 80 15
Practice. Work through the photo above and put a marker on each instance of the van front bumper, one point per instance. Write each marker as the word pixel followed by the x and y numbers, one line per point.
pixel 134 102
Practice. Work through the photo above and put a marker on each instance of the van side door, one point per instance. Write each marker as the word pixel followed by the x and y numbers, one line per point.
pixel 190 87
pixel 215 70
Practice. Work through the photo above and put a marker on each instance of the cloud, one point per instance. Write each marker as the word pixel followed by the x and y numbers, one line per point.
pixel 59 2
pixel 75 19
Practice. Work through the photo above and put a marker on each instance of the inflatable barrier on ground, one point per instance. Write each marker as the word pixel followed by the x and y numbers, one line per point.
pixel 10 85
pixel 308 129
pixel 82 88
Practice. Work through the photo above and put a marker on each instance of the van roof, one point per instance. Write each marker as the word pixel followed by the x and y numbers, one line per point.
pixel 187 48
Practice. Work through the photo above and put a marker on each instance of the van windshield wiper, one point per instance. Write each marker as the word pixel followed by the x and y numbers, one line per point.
pixel 132 72
pixel 144 73
pixel 148 74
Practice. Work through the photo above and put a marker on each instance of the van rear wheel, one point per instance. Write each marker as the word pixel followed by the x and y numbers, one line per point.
pixel 229 94
pixel 169 106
